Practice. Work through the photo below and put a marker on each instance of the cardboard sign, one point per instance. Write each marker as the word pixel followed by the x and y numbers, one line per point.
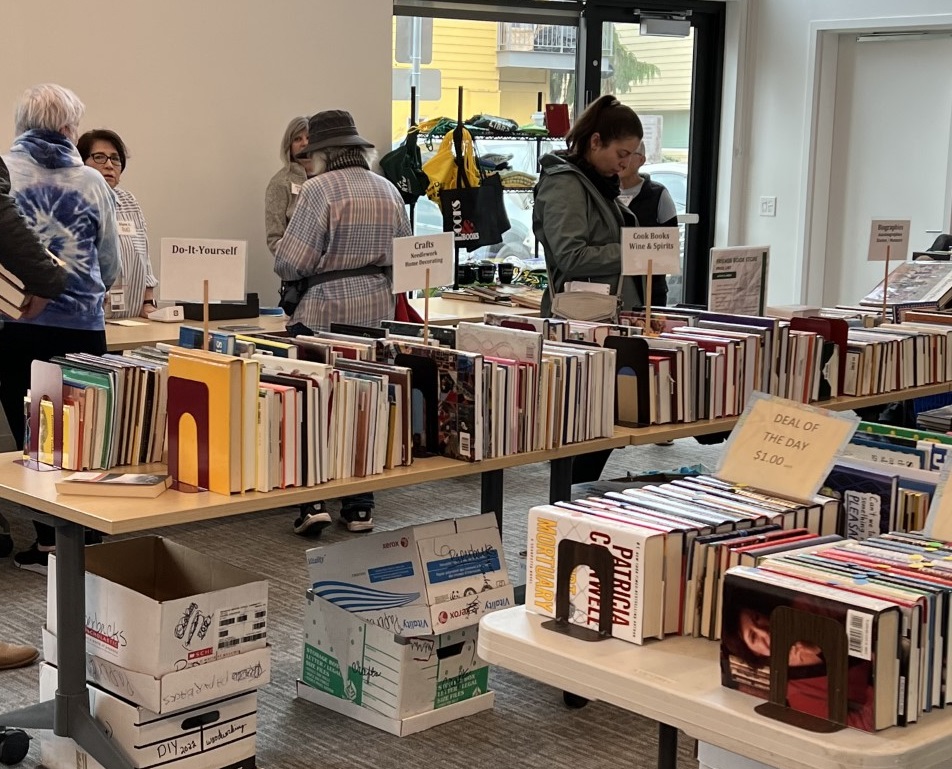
pixel 738 280
pixel 414 255
pixel 185 264
pixel 888 232
pixel 783 447
pixel 662 245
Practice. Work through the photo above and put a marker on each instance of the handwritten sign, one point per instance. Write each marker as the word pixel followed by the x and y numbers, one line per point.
pixel 185 263
pixel 738 280
pixel 413 256
pixel 783 447
pixel 888 232
pixel 662 245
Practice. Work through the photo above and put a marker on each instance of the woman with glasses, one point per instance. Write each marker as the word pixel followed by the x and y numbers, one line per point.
pixel 133 294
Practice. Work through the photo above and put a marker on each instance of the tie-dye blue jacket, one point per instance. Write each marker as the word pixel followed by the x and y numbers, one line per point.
pixel 73 212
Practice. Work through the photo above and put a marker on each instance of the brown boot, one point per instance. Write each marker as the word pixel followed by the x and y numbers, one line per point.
pixel 16 656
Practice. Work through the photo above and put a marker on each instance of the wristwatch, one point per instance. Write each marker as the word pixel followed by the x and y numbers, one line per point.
pixel 150 301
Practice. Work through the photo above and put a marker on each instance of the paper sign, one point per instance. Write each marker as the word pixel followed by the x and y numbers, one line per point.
pixel 783 447
pixel 414 255
pixel 738 280
pixel 187 262
pixel 662 245
pixel 889 232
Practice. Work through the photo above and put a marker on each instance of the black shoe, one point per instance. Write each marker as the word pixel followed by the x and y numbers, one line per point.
pixel 312 520
pixel 6 544
pixel 33 559
pixel 357 520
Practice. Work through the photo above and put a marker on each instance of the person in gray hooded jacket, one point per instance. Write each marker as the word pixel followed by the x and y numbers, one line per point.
pixel 576 216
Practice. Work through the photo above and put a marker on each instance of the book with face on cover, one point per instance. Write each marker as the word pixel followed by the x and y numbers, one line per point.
pixel 915 282
pixel 145 485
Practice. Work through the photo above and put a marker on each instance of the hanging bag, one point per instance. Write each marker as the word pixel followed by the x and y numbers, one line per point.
pixel 443 170
pixel 404 167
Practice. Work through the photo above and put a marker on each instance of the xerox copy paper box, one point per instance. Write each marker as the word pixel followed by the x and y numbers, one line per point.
pixel 211 736
pixel 155 607
pixel 397 677
pixel 418 580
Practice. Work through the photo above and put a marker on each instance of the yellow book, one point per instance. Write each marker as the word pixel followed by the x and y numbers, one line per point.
pixel 45 442
pixel 222 376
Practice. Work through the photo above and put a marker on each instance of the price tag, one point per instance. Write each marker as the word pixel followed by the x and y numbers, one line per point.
pixel 783 447
pixel 659 244
pixel 413 256
pixel 888 232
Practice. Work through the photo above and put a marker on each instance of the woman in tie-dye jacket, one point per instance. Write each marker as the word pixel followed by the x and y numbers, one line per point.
pixel 73 212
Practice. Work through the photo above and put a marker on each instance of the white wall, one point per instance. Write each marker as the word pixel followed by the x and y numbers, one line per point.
pixel 779 99
pixel 201 91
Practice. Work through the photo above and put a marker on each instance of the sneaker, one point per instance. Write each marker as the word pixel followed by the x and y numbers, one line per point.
pixel 665 443
pixel 357 519
pixel 312 520
pixel 33 559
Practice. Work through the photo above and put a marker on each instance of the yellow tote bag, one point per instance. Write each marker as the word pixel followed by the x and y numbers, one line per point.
pixel 443 169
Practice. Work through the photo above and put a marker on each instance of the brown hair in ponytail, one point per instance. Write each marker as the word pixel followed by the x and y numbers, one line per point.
pixel 607 117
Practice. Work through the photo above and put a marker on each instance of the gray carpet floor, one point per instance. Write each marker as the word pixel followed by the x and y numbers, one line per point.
pixel 529 725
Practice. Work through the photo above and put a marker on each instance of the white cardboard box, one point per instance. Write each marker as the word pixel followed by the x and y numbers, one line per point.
pixel 211 736
pixel 713 757
pixel 418 580
pixel 155 607
pixel 380 674
pixel 182 689
pixel 401 727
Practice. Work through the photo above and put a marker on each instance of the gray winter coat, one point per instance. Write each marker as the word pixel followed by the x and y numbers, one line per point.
pixel 579 229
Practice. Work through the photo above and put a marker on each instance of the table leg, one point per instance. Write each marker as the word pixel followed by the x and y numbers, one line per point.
pixel 667 747
pixel 68 713
pixel 491 496
pixel 560 480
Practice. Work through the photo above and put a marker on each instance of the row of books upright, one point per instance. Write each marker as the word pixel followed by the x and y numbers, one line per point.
pixel 888 597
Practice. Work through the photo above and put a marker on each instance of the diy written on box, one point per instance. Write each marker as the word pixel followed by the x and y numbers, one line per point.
pixel 419 580
pixel 156 607
pixel 218 734
pixel 397 677
pixel 185 688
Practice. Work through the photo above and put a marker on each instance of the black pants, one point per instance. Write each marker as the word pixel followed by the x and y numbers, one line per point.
pixel 587 468
pixel 20 345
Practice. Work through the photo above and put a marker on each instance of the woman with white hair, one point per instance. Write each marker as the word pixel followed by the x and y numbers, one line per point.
pixel 285 186
pixel 339 246
pixel 73 213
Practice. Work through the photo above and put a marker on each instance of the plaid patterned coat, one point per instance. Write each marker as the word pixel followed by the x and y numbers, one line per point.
pixel 344 219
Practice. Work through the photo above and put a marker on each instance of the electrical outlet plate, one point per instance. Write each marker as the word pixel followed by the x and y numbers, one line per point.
pixel 768 206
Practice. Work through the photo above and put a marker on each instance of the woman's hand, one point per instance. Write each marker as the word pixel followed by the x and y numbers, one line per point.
pixel 148 306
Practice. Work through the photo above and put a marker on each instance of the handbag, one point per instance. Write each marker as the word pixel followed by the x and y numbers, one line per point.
pixel 447 170
pixel 587 306
pixel 404 167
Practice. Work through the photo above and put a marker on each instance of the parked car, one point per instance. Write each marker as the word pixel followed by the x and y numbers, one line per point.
pixel 674 176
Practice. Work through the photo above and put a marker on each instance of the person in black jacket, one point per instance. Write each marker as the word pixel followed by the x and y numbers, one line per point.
pixel 44 279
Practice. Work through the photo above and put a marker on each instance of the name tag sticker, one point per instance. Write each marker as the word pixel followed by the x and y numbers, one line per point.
pixel 126 227
pixel 295 188
pixel 117 299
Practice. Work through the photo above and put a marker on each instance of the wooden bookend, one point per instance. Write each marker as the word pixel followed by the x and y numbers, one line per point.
pixel 46 383
pixel 787 626
pixel 599 559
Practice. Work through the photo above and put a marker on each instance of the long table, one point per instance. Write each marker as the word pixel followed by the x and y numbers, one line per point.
pixel 149 332
pixel 677 683
pixel 68 713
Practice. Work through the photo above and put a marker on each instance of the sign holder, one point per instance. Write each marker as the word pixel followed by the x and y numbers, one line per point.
pixel 205 314
pixel 426 309
pixel 647 297
pixel 886 283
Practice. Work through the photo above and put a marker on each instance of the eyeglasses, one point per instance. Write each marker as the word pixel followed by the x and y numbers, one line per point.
pixel 100 158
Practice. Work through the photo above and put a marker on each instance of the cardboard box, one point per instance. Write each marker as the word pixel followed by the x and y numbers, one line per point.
pixel 375 670
pixel 420 580
pixel 396 726
pixel 182 689
pixel 713 757
pixel 156 607
pixel 215 735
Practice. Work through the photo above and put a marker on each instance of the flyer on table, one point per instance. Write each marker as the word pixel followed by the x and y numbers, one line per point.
pixel 738 280
pixel 414 255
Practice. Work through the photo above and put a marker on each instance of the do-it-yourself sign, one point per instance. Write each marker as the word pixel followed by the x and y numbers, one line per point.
pixel 662 245
pixel 414 255
pixel 186 263
pixel 888 232
pixel 784 447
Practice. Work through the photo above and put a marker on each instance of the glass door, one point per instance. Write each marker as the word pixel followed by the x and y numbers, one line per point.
pixel 665 60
